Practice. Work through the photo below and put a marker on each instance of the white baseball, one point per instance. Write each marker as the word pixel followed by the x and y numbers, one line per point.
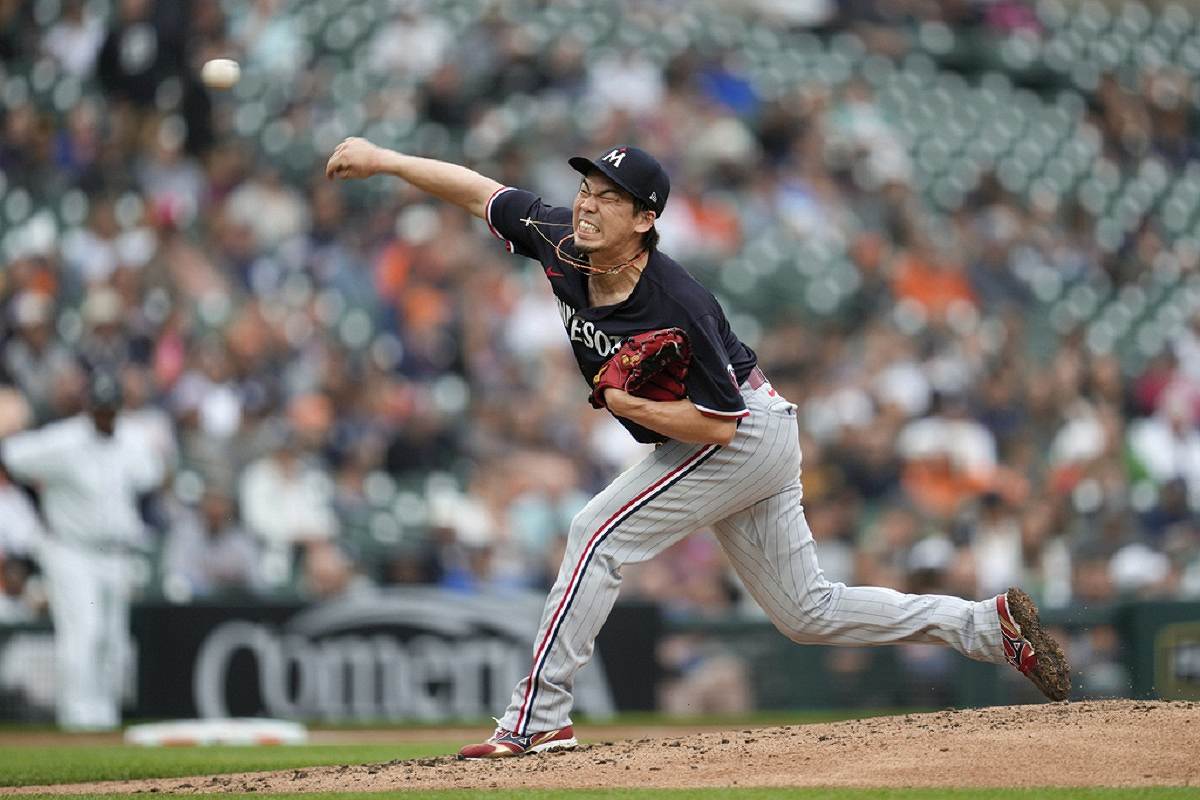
pixel 220 73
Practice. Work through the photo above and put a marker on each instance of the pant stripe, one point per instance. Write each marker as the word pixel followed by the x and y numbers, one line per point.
pixel 610 525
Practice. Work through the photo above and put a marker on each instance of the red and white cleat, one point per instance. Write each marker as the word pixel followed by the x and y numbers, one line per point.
pixel 506 744
pixel 1029 648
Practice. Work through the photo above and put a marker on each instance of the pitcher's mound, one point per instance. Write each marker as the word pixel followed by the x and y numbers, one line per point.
pixel 1111 743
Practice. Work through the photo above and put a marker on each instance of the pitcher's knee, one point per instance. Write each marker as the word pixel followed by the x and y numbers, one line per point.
pixel 811 614
pixel 581 537
pixel 582 527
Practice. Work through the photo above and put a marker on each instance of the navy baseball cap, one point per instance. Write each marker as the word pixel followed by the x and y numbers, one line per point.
pixel 635 171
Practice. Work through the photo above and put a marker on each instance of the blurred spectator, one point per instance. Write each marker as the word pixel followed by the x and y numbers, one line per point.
pixel 22 598
pixel 207 553
pixel 171 183
pixel 135 54
pixel 950 457
pixel 625 82
pixel 1167 444
pixel 108 345
pixel 997 547
pixel 286 498
pixel 1137 570
pixel 271 41
pixel 934 280
pixel 272 210
pixel 1170 509
pixel 34 360
pixel 75 38
pixel 208 391
pixel 328 573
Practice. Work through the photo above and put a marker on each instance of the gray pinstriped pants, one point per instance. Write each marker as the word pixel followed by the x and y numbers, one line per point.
pixel 749 493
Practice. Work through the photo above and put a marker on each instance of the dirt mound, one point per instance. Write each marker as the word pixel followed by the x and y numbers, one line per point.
pixel 1111 743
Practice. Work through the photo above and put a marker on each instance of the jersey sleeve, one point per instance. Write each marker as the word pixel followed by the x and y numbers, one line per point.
pixel 144 463
pixel 37 455
pixel 711 384
pixel 511 213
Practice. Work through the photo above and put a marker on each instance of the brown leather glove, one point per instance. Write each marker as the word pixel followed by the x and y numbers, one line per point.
pixel 652 365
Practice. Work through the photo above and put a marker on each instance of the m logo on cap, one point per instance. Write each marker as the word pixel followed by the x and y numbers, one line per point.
pixel 615 157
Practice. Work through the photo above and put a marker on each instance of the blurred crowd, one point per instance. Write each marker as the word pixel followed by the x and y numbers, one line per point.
pixel 354 386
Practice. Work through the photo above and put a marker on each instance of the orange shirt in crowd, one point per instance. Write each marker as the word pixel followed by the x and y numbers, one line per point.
pixel 940 490
pixel 933 286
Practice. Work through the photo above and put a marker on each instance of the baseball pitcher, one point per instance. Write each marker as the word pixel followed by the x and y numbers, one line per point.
pixel 657 352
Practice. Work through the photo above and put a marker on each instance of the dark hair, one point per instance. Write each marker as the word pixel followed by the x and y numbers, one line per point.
pixel 650 237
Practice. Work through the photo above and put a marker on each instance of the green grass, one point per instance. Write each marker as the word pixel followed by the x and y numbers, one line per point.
pixel 25 766
pixel 737 794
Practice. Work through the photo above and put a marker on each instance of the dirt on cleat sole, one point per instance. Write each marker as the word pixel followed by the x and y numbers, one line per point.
pixel 1052 674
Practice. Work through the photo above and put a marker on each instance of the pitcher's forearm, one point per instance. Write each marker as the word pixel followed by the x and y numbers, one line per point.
pixel 453 183
pixel 677 419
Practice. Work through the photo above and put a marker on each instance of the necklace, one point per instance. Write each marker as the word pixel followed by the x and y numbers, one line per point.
pixel 585 267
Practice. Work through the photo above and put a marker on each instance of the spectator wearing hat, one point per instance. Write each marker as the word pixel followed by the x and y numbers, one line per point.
pixel 106 346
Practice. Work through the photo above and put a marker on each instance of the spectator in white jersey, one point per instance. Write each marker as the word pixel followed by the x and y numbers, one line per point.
pixel 286 500
pixel 89 471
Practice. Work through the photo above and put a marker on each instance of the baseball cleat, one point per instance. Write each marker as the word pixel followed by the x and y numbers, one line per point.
pixel 1029 648
pixel 506 744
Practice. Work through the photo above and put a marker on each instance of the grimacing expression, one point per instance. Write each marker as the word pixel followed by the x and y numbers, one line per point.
pixel 603 216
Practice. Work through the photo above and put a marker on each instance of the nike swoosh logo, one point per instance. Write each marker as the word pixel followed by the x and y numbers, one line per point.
pixel 551 272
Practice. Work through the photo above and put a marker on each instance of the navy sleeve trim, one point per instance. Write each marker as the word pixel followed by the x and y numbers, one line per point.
pixel 712 412
pixel 487 217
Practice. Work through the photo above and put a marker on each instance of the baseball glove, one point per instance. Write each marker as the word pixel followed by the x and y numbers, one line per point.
pixel 652 365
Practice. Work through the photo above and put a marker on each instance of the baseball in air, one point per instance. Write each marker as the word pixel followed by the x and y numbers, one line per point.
pixel 220 73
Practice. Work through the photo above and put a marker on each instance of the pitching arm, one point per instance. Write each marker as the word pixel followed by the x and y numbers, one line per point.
pixel 465 188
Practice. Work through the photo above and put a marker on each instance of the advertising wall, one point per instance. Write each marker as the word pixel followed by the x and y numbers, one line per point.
pixel 432 655
pixel 412 654
pixel 1164 647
